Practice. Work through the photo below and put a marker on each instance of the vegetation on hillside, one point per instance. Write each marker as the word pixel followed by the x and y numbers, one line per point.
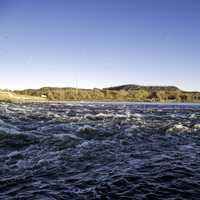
pixel 120 93
pixel 9 96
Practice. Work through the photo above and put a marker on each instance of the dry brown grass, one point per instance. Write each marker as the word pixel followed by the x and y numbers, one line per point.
pixel 17 98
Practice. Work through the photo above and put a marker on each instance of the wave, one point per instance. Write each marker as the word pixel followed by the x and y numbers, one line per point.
pixel 99 151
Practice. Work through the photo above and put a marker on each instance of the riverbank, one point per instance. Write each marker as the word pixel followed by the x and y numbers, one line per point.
pixel 129 93
pixel 8 96
pixel 125 93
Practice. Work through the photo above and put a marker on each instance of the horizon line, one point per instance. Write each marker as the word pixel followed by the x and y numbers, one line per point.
pixel 90 88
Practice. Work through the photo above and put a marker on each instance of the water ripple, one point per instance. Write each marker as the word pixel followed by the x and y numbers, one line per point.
pixel 99 151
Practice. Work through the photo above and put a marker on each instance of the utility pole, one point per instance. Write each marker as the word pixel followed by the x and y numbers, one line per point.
pixel 77 90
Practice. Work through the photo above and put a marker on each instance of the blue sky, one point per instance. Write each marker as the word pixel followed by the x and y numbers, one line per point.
pixel 99 43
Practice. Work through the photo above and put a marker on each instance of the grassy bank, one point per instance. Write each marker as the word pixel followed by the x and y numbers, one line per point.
pixel 120 93
pixel 8 96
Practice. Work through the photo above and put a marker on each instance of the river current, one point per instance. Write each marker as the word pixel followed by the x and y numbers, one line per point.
pixel 99 151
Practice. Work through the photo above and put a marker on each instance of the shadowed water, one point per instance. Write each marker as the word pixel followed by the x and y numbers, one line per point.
pixel 99 151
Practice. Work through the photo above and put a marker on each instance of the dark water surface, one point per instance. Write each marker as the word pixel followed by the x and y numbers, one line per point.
pixel 99 151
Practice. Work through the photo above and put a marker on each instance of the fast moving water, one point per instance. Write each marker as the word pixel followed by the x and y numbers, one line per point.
pixel 99 151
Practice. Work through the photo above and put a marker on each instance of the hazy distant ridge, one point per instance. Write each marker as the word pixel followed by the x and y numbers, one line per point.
pixel 140 87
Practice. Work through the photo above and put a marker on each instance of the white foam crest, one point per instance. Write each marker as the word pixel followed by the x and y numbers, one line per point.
pixel 132 128
pixel 197 126
pixel 90 116
pixel 104 115
pixel 179 128
pixel 136 115
pixel 87 128
pixel 192 116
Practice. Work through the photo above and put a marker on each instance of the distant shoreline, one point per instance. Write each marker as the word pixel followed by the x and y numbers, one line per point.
pixel 97 102
pixel 118 102
pixel 124 93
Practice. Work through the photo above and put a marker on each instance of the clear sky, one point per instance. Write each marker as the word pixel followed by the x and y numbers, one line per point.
pixel 99 43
